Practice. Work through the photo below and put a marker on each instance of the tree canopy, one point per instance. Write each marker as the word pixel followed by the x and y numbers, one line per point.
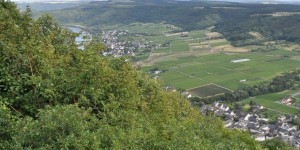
pixel 56 96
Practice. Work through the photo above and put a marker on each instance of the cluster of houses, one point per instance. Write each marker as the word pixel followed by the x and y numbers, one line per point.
pixel 258 127
pixel 286 101
pixel 118 45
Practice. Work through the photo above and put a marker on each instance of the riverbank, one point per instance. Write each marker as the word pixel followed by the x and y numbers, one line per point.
pixel 82 28
pixel 84 37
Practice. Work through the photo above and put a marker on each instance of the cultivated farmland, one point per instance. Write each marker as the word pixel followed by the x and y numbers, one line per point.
pixel 208 90
pixel 273 105
pixel 202 57
pixel 218 69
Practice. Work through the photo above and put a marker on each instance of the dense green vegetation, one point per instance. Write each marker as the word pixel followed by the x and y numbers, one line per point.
pixel 55 96
pixel 233 20
pixel 270 27
pixel 97 14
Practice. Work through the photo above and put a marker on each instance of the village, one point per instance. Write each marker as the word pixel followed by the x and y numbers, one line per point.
pixel 118 45
pixel 260 128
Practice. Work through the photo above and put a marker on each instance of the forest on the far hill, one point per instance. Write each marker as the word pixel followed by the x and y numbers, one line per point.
pixel 233 20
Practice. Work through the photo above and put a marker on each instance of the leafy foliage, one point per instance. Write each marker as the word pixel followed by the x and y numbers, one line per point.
pixel 58 127
pixel 276 144
pixel 55 96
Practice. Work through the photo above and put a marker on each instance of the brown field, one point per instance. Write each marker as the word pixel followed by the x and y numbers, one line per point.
pixel 179 33
pixel 296 57
pixel 228 7
pixel 208 90
pixel 217 41
pixel 199 46
pixel 278 14
pixel 230 48
pixel 281 14
pixel 213 34
pixel 257 35
pixel 289 47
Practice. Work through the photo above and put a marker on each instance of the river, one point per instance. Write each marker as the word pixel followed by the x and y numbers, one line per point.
pixel 80 38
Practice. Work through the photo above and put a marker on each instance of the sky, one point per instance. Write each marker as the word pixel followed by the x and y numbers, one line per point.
pixel 261 0
pixel 30 1
pixel 43 0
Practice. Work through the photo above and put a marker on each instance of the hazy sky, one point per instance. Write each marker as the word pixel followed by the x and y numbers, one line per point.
pixel 30 1
pixel 100 0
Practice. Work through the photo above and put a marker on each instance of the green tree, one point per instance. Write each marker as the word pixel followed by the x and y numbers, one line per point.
pixel 276 144
pixel 237 106
pixel 67 127
pixel 55 96
pixel 7 122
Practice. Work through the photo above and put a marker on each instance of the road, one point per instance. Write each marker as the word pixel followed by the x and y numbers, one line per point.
pixel 295 94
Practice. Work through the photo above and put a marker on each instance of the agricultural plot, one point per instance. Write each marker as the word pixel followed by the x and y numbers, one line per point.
pixel 171 76
pixel 207 90
pixel 199 46
pixel 142 56
pixel 219 44
pixel 280 108
pixel 179 46
pixel 187 83
pixel 198 34
pixel 296 57
pixel 155 28
pixel 272 97
pixel 271 101
pixel 192 60
pixel 217 69
pixel 157 39
pixel 283 52
pixel 162 50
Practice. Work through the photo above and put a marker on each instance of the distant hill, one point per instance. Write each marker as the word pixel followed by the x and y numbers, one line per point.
pixel 43 6
pixel 233 20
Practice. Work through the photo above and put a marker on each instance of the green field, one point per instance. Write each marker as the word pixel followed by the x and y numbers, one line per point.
pixel 162 50
pixel 273 105
pixel 270 101
pixel 218 69
pixel 219 44
pixel 179 46
pixel 273 96
pixel 197 34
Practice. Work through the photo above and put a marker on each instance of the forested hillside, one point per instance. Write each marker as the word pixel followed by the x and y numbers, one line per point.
pixel 55 96
pixel 233 20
